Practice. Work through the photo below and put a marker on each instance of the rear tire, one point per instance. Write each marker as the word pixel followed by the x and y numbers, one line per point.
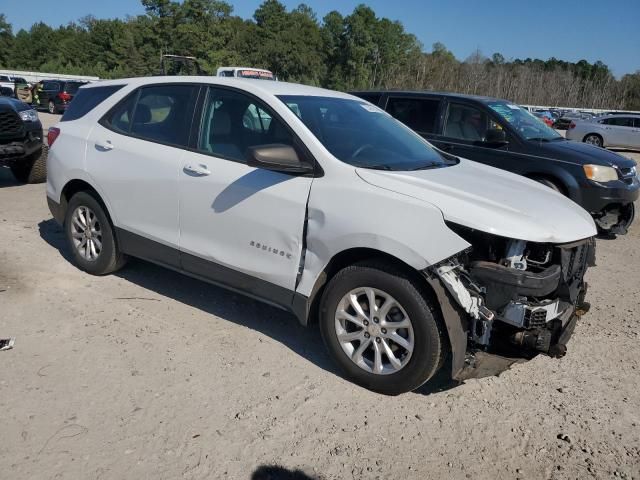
pixel 52 107
pixel 90 236
pixel 365 360
pixel 33 169
pixel 594 139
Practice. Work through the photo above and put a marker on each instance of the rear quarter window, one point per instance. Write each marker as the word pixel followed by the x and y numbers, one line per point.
pixel 87 99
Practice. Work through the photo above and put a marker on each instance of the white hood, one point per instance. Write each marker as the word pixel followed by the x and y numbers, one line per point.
pixel 492 201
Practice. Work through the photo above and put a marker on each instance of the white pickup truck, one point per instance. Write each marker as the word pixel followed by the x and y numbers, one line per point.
pixel 8 81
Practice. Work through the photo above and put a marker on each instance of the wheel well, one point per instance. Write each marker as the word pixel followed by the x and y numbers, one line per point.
pixel 351 257
pixel 552 178
pixel 593 133
pixel 75 186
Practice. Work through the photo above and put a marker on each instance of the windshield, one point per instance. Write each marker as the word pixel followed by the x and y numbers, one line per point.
pixel 362 135
pixel 527 125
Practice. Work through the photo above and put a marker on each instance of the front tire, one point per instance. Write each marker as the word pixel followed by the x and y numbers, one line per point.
pixel 33 169
pixel 90 236
pixel 392 348
pixel 548 183
pixel 594 139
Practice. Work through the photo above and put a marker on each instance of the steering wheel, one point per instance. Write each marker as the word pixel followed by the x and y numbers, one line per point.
pixel 361 149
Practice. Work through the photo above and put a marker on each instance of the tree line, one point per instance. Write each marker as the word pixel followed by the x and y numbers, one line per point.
pixel 343 52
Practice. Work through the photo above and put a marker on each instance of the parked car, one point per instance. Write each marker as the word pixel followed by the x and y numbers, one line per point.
pixel 328 208
pixel 565 120
pixel 545 117
pixel 608 131
pixel 501 134
pixel 56 95
pixel 21 147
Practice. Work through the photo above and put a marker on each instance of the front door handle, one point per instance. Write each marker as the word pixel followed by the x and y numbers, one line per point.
pixel 105 145
pixel 200 170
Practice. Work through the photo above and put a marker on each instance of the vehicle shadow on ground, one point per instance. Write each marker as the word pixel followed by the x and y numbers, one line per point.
pixel 279 325
pixel 275 472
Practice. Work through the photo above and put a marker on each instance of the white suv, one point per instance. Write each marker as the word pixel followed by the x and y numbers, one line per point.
pixel 322 204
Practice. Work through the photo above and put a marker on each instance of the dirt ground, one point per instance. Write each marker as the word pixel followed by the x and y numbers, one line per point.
pixel 150 374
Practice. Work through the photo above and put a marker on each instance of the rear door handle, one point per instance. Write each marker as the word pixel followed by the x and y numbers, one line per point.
pixel 104 145
pixel 200 170
pixel 446 146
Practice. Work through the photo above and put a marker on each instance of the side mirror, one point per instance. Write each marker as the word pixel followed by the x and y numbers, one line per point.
pixel 496 137
pixel 277 157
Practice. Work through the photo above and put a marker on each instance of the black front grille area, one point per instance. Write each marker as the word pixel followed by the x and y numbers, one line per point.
pixel 535 318
pixel 10 124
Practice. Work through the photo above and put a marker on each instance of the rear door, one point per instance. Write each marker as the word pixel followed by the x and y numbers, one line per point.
pixel 240 226
pixel 420 113
pixel 136 151
pixel 619 131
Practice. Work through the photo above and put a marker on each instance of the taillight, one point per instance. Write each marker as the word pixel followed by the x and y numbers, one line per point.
pixel 64 96
pixel 52 134
pixel 572 125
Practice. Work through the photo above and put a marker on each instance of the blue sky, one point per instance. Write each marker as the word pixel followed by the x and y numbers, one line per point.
pixel 604 30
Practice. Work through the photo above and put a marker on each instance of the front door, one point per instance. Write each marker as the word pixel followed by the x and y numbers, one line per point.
pixel 136 152
pixel 239 223
pixel 465 134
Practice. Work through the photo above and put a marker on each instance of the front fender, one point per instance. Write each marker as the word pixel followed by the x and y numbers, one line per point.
pixel 360 215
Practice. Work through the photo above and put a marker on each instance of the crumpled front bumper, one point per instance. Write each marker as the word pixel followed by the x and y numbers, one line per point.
pixel 476 353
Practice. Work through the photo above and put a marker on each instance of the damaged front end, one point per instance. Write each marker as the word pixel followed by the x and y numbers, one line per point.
pixel 514 299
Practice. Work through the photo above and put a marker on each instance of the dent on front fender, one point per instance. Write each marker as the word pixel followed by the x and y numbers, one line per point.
pixel 410 230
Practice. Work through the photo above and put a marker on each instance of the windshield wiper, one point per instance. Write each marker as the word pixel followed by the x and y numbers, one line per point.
pixel 373 167
pixel 538 139
pixel 427 166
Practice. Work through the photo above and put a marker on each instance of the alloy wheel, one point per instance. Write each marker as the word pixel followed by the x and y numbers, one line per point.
pixel 593 140
pixel 86 233
pixel 374 331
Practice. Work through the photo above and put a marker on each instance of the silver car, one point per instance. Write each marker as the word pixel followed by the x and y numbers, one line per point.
pixel 607 131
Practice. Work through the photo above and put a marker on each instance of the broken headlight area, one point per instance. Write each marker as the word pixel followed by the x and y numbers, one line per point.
pixel 520 297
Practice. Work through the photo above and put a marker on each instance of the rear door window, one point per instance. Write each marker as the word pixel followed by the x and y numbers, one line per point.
pixel 619 121
pixel 163 114
pixel 419 114
pixel 158 113
pixel 86 100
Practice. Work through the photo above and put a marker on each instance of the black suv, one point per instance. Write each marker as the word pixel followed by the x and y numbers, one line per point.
pixel 21 147
pixel 501 134
pixel 55 95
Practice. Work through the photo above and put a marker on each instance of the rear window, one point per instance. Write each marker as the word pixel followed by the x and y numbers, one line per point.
pixel 72 87
pixel 87 99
